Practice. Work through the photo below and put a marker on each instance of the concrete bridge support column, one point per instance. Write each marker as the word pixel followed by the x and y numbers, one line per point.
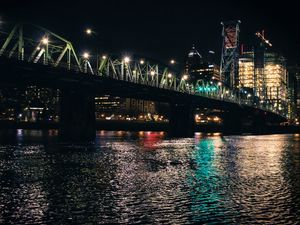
pixel 182 121
pixel 259 123
pixel 232 122
pixel 77 116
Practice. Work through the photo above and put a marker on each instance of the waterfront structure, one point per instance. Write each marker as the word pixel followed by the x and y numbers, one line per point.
pixel 29 104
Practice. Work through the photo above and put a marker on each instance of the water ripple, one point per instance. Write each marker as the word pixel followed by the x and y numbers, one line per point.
pixel 144 178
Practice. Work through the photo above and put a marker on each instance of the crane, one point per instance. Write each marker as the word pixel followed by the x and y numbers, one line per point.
pixel 261 35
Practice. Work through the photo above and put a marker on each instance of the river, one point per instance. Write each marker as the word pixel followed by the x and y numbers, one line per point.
pixel 148 178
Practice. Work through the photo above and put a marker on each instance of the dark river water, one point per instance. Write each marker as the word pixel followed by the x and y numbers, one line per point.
pixel 147 178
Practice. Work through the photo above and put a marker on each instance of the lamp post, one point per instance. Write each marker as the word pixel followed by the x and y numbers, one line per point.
pixel 91 32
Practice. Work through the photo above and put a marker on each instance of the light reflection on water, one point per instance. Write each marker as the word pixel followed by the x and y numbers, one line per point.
pixel 145 177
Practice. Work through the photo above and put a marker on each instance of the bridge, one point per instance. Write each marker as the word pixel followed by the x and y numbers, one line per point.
pixel 33 55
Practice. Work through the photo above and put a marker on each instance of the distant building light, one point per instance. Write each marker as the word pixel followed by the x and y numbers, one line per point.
pixel 211 66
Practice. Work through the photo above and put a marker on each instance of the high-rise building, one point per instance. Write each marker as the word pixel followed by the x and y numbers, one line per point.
pixel 269 81
pixel 264 73
pixel 246 70
pixel 201 69
pixel 273 86
pixel 297 91
pixel 193 64
pixel 294 91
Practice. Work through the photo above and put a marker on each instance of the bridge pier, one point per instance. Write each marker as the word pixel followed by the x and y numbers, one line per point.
pixel 259 123
pixel 232 122
pixel 181 120
pixel 77 116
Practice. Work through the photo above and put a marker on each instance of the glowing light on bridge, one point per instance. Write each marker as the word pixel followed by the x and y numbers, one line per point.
pixel 152 73
pixel 126 59
pixel 185 77
pixel 86 55
pixel 142 62
pixel 172 61
pixel 170 75
pixel 45 41
pixel 104 57
pixel 88 31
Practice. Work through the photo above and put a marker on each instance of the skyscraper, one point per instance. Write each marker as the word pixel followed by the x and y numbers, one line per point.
pixel 267 81
pixel 200 68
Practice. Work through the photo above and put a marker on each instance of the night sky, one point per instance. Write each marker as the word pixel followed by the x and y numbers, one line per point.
pixel 161 29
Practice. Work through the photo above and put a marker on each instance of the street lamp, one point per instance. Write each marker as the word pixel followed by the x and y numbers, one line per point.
pixel 169 75
pixel 142 62
pixel 172 61
pixel 86 55
pixel 126 59
pixel 185 77
pixel 45 41
pixel 88 31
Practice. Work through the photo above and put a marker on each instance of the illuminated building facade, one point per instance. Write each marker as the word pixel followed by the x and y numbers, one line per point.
pixel 109 104
pixel 29 104
pixel 119 108
pixel 274 83
pixel 246 70
pixel 268 81
pixel 137 106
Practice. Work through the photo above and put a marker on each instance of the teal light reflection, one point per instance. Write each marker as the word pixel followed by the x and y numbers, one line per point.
pixel 207 184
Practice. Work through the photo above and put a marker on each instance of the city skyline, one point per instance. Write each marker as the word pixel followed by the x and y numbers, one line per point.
pixel 154 29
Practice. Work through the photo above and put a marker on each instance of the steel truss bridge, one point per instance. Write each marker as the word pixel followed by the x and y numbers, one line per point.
pixel 37 45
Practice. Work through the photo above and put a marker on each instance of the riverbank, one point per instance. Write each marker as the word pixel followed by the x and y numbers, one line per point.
pixel 145 126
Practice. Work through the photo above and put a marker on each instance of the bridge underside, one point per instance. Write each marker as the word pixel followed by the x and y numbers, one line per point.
pixel 77 116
